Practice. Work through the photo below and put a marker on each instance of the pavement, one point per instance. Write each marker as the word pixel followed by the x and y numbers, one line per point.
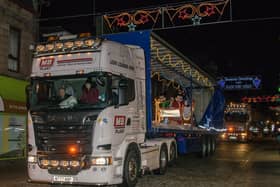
pixel 234 164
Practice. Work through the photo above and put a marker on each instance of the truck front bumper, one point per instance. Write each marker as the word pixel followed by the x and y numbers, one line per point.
pixel 95 175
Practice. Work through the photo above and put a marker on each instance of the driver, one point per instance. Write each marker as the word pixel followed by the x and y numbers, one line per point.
pixel 89 93
pixel 62 95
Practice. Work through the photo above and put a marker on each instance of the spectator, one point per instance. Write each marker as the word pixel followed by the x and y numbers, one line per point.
pixel 90 93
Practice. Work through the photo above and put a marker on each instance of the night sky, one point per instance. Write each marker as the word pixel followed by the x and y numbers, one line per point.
pixel 241 47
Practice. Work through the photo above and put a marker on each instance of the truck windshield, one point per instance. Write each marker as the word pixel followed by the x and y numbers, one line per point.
pixel 79 92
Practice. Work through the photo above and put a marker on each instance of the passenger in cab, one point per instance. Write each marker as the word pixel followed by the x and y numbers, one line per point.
pixel 89 93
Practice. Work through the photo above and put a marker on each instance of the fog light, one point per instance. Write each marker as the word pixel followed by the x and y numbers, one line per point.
pixel 64 163
pixel 101 161
pixel 32 159
pixel 45 163
pixel 54 163
pixel 74 163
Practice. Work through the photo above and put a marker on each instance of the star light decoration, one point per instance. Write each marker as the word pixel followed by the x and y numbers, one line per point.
pixel 196 20
pixel 131 27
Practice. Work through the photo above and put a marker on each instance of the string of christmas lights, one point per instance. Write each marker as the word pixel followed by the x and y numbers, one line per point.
pixel 259 99
pixel 184 14
pixel 172 62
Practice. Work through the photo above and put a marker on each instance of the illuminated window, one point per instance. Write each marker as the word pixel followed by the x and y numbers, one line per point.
pixel 14 48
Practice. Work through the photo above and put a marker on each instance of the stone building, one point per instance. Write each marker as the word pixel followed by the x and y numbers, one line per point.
pixel 17 33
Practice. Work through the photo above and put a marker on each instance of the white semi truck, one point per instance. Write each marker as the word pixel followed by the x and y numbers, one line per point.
pixel 115 139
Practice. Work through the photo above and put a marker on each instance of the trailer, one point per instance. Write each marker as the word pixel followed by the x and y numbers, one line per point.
pixel 121 129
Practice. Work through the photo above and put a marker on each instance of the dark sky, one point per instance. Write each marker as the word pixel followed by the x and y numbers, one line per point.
pixel 241 47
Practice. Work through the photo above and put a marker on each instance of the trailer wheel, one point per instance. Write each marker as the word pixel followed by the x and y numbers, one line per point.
pixel 213 145
pixel 131 169
pixel 172 154
pixel 163 160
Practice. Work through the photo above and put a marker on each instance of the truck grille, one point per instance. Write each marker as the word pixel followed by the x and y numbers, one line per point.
pixel 54 139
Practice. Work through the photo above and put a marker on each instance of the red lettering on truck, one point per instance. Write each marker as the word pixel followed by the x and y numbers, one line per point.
pixel 46 62
pixel 119 122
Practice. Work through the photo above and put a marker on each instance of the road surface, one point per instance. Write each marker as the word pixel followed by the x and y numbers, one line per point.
pixel 233 164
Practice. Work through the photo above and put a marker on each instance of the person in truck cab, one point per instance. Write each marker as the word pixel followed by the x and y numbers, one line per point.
pixel 89 93
pixel 62 94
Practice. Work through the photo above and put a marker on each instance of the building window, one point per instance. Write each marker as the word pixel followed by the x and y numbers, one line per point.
pixel 14 48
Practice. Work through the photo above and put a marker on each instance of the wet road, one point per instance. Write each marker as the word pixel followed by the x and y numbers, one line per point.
pixel 234 164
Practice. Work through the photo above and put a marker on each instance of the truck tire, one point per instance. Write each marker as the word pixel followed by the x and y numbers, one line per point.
pixel 203 151
pixel 131 169
pixel 172 154
pixel 209 145
pixel 163 160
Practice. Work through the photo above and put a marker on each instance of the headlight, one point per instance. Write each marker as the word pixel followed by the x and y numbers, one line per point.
pixel 32 159
pixel 101 161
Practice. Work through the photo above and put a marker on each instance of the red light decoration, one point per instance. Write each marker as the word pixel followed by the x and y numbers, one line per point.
pixel 260 99
pixel 210 10
pixel 184 15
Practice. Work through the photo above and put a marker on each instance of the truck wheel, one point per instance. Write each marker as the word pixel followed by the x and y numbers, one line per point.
pixel 131 169
pixel 208 143
pixel 172 154
pixel 203 152
pixel 163 160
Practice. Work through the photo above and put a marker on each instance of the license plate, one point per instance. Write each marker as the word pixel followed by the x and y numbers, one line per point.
pixel 232 137
pixel 66 179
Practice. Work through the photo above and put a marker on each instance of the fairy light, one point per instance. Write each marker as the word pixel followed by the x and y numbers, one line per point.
pixel 169 59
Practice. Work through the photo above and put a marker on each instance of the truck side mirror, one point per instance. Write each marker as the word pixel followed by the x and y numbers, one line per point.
pixel 123 93
pixel 28 91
